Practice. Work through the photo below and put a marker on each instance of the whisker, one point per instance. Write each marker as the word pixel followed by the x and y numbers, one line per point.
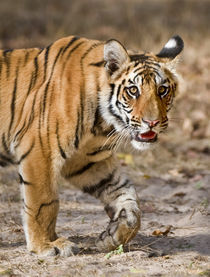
pixel 109 138
pixel 175 119
pixel 124 134
pixel 111 132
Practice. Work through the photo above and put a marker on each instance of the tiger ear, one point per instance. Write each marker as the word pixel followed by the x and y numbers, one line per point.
pixel 115 56
pixel 171 49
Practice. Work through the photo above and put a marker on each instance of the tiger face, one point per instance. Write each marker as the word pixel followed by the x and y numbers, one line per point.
pixel 142 88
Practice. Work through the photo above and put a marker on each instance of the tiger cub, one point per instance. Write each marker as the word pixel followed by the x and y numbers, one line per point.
pixel 64 109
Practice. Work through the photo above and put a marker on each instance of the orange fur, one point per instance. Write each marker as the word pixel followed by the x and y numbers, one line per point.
pixel 58 113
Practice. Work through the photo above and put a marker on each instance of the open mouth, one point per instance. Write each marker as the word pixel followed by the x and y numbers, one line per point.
pixel 149 136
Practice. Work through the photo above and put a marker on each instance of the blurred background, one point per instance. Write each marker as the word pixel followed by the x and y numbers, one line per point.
pixel 138 24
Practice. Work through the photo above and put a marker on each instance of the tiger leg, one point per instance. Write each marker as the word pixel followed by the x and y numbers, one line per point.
pixel 41 204
pixel 121 204
pixel 124 212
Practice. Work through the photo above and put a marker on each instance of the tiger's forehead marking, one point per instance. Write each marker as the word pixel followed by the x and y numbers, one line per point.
pixel 152 70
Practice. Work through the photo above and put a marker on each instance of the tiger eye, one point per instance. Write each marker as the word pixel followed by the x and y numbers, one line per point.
pixel 133 91
pixel 162 90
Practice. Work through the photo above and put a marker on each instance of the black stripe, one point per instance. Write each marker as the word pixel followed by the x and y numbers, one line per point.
pixel 26 153
pixel 59 144
pixel 112 111
pixel 24 128
pixel 94 109
pixel 45 205
pixel 27 212
pixel 124 98
pixel 127 119
pixel 138 58
pixel 118 91
pixel 6 54
pixel 12 106
pixel 76 140
pixel 143 70
pixel 128 69
pixel 69 44
pixel 48 83
pixel 35 71
pixel 46 60
pixel 52 222
pixel 139 68
pixel 89 50
pixel 25 205
pixel 148 63
pixel 82 109
pixel 1 64
pixel 73 49
pixel 117 101
pixel 112 86
pixel 96 121
pixel 45 95
pixel 26 58
pixel 22 181
pixel 130 81
pixel 134 120
pixel 20 130
pixel 69 54
pixel 48 119
pixel 6 159
pixel 101 186
pixel 41 50
pixel 121 186
pixel 164 121
pixel 82 90
pixel 39 128
pixel 6 149
pixel 118 195
pixel 130 199
pixel 126 107
pixel 111 108
pixel 80 171
pixel 30 84
pixel 97 64
pixel 99 150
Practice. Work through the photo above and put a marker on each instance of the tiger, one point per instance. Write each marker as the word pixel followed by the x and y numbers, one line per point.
pixel 64 110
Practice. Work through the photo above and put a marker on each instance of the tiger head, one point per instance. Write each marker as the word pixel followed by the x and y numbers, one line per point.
pixel 141 90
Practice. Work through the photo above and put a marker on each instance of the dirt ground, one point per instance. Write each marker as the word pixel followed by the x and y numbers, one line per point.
pixel 172 180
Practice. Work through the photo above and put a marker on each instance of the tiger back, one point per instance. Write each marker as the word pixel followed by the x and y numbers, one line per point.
pixel 64 111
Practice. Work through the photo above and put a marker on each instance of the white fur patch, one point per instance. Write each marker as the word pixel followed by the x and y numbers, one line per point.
pixel 171 43
pixel 141 145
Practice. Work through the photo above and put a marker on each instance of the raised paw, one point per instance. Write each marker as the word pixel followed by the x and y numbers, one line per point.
pixel 119 231
pixel 60 246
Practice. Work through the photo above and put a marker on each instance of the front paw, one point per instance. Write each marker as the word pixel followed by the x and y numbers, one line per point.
pixel 119 231
pixel 60 246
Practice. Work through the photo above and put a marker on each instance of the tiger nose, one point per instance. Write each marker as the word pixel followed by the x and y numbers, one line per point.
pixel 151 123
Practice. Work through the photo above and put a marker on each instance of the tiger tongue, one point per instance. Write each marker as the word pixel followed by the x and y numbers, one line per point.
pixel 150 135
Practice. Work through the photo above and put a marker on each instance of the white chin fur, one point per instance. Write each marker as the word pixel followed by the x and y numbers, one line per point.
pixel 141 145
